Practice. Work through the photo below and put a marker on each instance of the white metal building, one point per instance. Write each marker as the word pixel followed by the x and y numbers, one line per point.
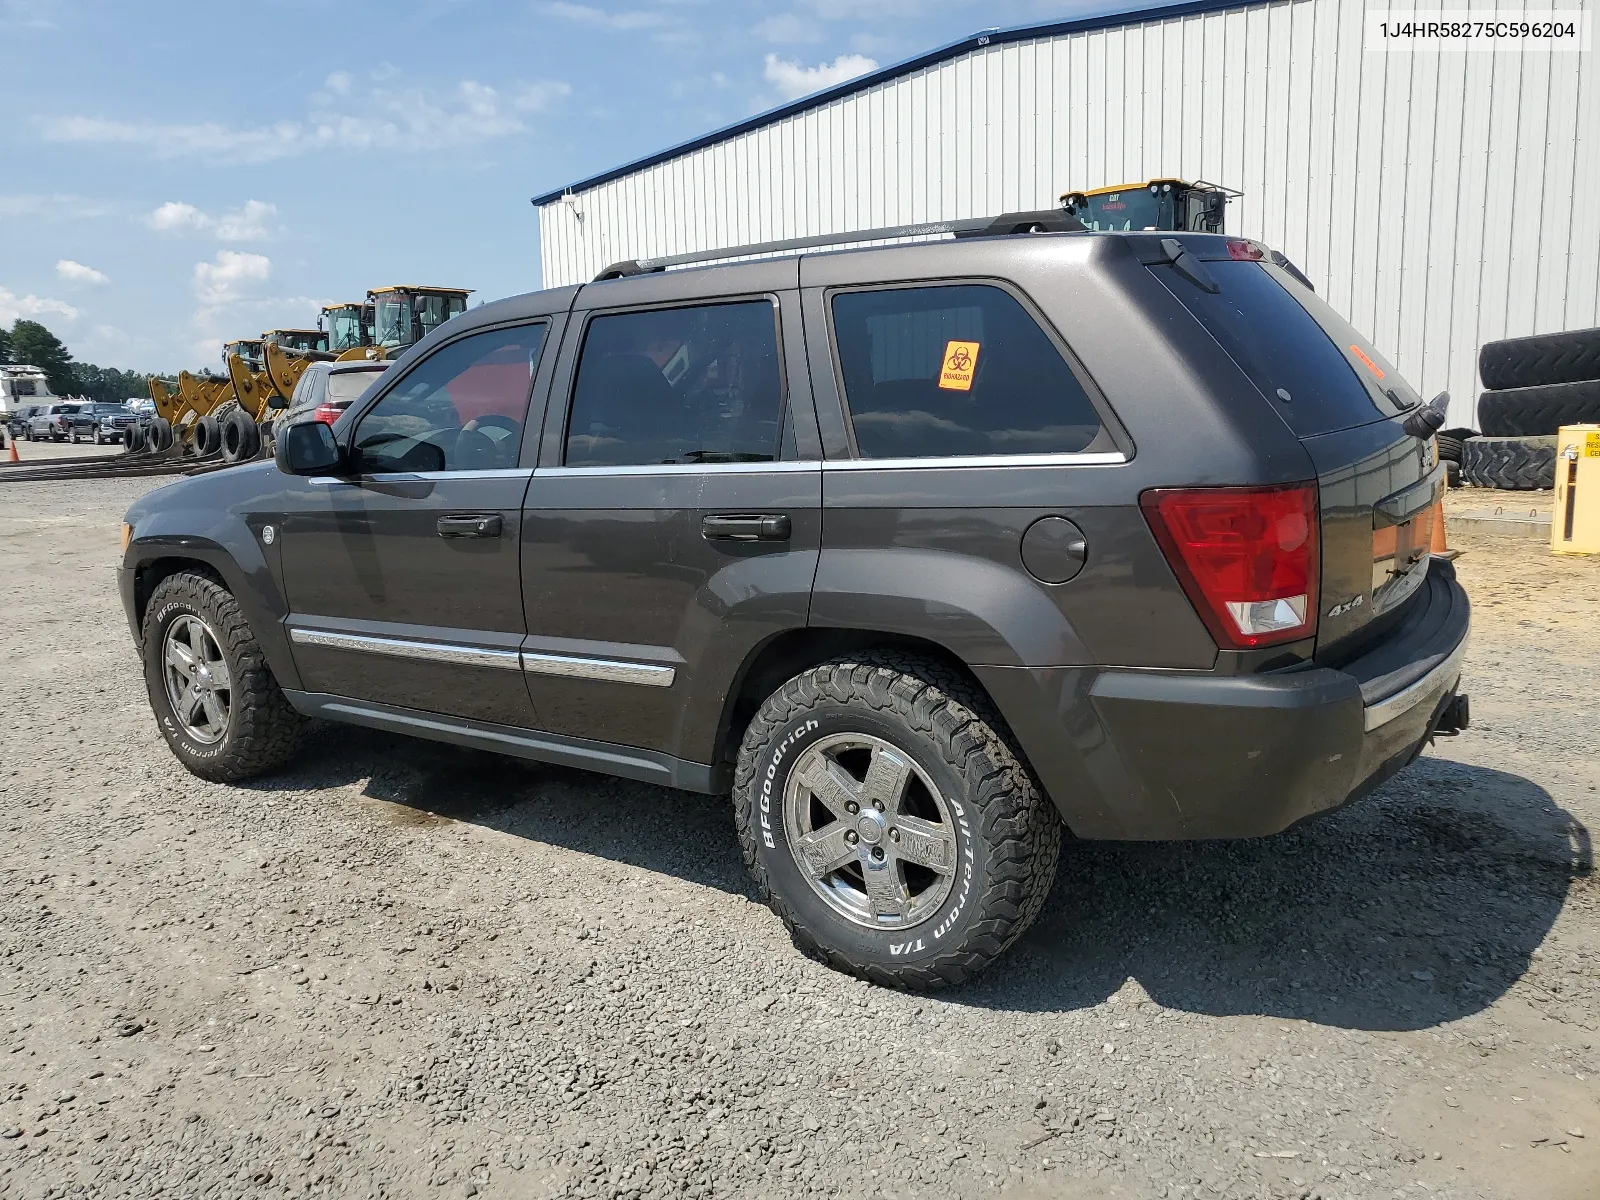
pixel 1439 200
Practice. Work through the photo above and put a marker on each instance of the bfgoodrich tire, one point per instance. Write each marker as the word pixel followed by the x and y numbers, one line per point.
pixel 888 822
pixel 1542 359
pixel 1518 464
pixel 213 695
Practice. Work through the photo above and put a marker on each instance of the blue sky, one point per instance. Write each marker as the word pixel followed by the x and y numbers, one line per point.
pixel 178 174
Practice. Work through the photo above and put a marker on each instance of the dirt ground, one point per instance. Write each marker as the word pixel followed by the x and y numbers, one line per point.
pixel 400 970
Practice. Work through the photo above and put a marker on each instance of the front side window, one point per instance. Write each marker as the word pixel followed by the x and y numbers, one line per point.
pixel 961 370
pixel 678 385
pixel 459 409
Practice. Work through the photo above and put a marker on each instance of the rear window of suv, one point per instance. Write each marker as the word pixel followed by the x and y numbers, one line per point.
pixel 1321 375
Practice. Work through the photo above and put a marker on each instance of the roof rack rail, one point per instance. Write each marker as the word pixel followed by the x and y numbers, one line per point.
pixel 1046 220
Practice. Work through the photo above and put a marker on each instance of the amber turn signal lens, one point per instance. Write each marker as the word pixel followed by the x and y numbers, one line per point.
pixel 127 536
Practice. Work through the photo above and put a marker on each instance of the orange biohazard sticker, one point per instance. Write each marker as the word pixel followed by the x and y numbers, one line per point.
pixel 960 364
pixel 1370 365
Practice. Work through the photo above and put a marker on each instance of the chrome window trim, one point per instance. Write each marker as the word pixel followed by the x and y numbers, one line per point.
pixel 489 473
pixel 422 476
pixel 1108 458
pixel 1380 714
pixel 739 468
pixel 436 652
pixel 609 670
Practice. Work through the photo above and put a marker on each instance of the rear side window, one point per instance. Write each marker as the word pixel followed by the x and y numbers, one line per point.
pixel 699 384
pixel 959 370
pixel 1319 373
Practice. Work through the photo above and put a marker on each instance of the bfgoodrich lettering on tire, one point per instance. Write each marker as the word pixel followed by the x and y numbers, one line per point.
pixel 888 822
pixel 212 693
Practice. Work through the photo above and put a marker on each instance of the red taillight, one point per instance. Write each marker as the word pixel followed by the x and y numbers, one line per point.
pixel 1249 251
pixel 1247 557
pixel 327 413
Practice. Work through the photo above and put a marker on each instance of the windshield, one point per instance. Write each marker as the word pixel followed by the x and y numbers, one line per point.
pixel 344 328
pixel 348 385
pixel 393 315
pixel 1136 208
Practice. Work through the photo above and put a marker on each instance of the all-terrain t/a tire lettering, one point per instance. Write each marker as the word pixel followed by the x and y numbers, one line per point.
pixel 977 837
pixel 252 729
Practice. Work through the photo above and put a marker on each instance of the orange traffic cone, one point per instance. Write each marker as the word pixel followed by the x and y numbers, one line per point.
pixel 15 457
pixel 1438 545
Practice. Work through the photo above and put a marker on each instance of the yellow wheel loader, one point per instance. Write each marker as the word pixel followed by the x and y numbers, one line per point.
pixel 1174 204
pixel 349 331
pixel 404 315
pixel 1163 204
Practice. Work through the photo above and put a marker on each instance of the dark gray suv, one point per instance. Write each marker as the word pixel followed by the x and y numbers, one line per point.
pixel 920 552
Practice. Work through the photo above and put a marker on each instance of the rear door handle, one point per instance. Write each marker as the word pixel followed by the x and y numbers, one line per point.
pixel 742 527
pixel 470 525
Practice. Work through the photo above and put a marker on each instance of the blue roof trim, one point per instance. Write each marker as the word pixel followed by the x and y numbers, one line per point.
pixel 986 37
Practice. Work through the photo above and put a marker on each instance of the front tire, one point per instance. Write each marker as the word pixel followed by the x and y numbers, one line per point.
pixel 889 823
pixel 213 695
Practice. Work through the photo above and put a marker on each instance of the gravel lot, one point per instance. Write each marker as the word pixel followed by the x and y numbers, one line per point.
pixel 404 970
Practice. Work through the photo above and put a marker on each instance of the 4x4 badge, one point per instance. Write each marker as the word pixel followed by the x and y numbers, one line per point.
pixel 1350 605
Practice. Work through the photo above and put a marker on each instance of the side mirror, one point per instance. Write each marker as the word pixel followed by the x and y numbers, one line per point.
pixel 308 448
pixel 276 401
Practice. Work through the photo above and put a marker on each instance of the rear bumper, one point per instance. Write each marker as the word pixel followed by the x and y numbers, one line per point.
pixel 1156 755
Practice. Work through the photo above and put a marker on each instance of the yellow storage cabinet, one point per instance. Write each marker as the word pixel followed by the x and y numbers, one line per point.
pixel 1575 523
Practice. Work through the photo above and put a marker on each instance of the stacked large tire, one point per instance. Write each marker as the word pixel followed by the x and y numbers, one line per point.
pixel 1533 386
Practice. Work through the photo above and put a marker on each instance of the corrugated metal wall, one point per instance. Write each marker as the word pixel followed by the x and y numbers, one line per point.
pixel 1438 200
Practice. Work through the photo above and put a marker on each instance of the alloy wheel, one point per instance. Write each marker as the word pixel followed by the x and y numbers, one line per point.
pixel 199 684
pixel 870 832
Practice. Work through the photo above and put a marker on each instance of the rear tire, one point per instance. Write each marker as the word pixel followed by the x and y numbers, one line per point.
pixel 1519 464
pixel 964 801
pixel 259 731
pixel 159 435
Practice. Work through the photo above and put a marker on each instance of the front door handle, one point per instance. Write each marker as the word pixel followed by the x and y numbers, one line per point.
pixel 742 527
pixel 470 525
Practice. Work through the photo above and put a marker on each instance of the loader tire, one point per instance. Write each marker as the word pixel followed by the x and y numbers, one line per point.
pixel 241 437
pixel 1518 464
pixel 160 435
pixel 1544 359
pixel 1533 411
pixel 207 436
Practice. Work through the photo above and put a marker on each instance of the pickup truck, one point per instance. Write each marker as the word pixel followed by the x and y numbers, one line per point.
pixel 101 422
pixel 51 422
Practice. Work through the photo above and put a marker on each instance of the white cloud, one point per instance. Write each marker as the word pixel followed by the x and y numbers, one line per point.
pixel 338 83
pixel 228 278
pixel 13 306
pixel 175 214
pixel 588 14
pixel 247 224
pixel 793 80
pixel 382 115
pixel 76 272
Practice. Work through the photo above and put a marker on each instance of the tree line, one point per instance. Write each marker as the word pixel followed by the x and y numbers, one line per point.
pixel 30 342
